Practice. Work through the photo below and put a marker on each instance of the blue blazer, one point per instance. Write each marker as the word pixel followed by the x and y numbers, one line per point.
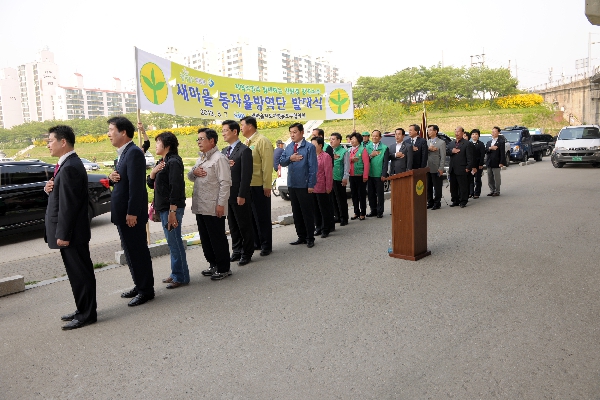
pixel 303 173
pixel 129 196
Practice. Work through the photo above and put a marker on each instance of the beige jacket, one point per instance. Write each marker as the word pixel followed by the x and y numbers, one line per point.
pixel 213 189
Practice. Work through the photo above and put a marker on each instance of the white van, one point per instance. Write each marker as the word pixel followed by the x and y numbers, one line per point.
pixel 577 145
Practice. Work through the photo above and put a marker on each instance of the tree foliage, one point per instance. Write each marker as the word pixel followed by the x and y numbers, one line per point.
pixel 438 84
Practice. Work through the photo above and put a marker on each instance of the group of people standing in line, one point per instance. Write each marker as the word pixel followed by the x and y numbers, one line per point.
pixel 235 183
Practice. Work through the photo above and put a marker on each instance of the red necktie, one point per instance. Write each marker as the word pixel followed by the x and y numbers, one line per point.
pixel 56 167
pixel 295 147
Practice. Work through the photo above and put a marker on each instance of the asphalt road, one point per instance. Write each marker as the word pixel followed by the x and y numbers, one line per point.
pixel 507 306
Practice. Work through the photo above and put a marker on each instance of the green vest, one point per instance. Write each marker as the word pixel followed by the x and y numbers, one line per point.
pixel 325 146
pixel 375 170
pixel 370 147
pixel 338 165
pixel 358 165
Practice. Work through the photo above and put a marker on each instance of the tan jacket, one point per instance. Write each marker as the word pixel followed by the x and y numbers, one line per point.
pixel 213 189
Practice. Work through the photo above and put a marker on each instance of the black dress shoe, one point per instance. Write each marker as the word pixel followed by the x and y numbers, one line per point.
pixel 324 235
pixel 371 214
pixel 343 223
pixel 353 218
pixel 140 299
pixel 436 207
pixel 490 194
pixel 265 252
pixel 317 232
pixel 244 261
pixel 379 215
pixel 299 241
pixel 74 324
pixel 429 206
pixel 310 244
pixel 235 257
pixel 454 204
pixel 129 294
pixel 463 205
pixel 209 271
pixel 69 317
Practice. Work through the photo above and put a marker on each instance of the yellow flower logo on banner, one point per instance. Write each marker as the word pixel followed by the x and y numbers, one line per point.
pixel 339 101
pixel 420 187
pixel 153 82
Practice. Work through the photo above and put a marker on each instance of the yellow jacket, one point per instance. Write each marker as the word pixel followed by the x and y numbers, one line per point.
pixel 262 160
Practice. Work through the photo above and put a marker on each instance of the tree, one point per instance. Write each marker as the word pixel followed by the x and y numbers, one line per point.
pixel 382 113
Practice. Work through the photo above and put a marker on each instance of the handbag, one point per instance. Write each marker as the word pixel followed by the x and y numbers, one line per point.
pixel 153 215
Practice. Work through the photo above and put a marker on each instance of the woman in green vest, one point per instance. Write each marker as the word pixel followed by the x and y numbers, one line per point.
pixel 359 174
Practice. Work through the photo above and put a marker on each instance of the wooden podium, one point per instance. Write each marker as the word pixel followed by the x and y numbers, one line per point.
pixel 409 214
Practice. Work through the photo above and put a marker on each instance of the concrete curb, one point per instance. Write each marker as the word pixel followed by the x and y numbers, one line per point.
pixel 11 285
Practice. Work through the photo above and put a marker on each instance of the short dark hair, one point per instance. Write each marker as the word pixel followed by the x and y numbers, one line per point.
pixel 233 125
pixel 375 130
pixel 337 135
pixel 400 129
pixel 212 134
pixel 297 125
pixel 475 131
pixel 417 127
pixel 435 127
pixel 468 134
pixel 202 130
pixel 250 121
pixel 497 128
pixel 123 124
pixel 318 139
pixel 169 140
pixel 63 132
pixel 320 132
pixel 357 136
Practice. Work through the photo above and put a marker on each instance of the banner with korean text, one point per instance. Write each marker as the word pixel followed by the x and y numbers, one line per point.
pixel 166 87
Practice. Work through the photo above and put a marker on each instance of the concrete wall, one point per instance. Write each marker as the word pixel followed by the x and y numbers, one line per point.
pixel 579 100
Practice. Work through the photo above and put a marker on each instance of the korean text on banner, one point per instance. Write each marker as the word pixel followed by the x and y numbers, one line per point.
pixel 167 87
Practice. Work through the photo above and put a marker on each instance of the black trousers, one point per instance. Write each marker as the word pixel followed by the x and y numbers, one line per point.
pixel 334 206
pixel 241 228
pixel 303 211
pixel 80 271
pixel 358 188
pixel 261 209
pixel 434 188
pixel 341 200
pixel 324 216
pixel 214 241
pixel 459 188
pixel 375 191
pixel 475 183
pixel 133 241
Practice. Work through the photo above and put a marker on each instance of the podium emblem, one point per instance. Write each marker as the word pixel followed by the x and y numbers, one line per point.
pixel 420 187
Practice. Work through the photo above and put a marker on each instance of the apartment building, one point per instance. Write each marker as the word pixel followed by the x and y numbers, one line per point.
pixel 77 102
pixel 37 82
pixel 11 113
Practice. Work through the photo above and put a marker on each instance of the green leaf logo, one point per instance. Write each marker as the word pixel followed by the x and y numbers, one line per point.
pixel 420 187
pixel 339 101
pixel 153 82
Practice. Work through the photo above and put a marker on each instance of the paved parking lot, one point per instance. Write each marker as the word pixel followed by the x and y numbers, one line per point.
pixel 507 306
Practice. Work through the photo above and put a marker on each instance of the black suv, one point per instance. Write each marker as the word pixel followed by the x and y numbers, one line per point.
pixel 23 200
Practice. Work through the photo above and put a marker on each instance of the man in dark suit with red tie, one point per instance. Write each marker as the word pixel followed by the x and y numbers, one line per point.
pixel 129 209
pixel 239 205
pixel 68 226
pixel 461 165
pixel 419 145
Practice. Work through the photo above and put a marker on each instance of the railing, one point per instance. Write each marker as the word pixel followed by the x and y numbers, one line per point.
pixel 564 81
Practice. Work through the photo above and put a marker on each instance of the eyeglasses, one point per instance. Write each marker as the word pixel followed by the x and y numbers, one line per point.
pixel 200 139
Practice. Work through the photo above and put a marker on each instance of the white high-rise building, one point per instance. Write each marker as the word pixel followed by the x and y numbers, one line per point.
pixel 11 113
pixel 38 81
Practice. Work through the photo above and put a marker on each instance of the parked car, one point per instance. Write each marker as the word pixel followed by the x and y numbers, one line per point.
pixel 23 200
pixel 548 139
pixel 150 161
pixel 522 147
pixel 89 165
pixel 577 144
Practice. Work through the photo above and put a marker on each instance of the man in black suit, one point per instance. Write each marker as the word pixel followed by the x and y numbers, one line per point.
pixel 401 154
pixel 419 145
pixel 240 197
pixel 68 226
pixel 478 162
pixel 461 165
pixel 129 208
pixel 496 159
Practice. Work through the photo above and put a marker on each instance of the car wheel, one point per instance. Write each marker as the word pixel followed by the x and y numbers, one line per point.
pixel 507 159
pixel 548 152
pixel 284 196
pixel 386 186
pixel 596 165
pixel 274 189
pixel 557 164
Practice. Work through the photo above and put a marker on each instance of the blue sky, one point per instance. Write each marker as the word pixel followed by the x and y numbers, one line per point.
pixel 372 38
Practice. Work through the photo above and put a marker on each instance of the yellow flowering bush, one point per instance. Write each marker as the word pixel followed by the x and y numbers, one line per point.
pixel 359 113
pixel 520 101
